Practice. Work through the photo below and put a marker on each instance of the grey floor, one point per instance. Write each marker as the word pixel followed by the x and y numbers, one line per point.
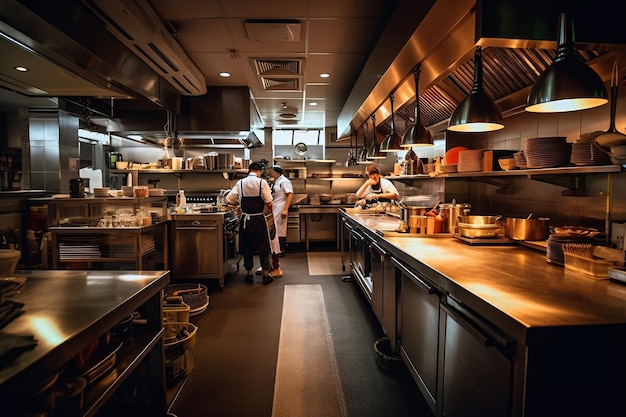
pixel 237 347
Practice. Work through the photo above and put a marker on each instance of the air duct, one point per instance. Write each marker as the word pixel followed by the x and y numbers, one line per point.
pixel 137 25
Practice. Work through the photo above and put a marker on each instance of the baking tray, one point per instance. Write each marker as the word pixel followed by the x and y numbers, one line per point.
pixel 492 241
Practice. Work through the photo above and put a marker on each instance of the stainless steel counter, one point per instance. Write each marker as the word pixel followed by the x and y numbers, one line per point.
pixel 66 310
pixel 513 280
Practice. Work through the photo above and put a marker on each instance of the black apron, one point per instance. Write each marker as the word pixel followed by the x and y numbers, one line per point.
pixel 253 232
pixel 379 190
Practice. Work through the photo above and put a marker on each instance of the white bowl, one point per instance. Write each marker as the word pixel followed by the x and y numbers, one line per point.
pixel 618 150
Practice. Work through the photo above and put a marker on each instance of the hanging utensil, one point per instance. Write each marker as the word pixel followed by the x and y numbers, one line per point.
pixel 612 137
pixel 301 149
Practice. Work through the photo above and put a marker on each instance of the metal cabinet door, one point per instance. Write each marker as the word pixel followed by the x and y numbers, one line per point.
pixel 194 251
pixel 418 335
pixel 476 374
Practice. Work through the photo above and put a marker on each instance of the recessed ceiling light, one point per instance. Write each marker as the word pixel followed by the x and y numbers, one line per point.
pixel 313 103
pixel 324 75
pixel 21 69
pixel 224 74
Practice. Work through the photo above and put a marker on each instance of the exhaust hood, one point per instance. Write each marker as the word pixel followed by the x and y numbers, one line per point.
pixel 518 40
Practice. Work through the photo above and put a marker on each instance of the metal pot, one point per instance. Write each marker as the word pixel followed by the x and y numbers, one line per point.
pixel 225 161
pixel 210 160
pixel 450 213
pixel 527 229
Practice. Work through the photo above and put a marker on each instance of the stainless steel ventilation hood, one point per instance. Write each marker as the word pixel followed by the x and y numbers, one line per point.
pixel 225 117
pixel 519 43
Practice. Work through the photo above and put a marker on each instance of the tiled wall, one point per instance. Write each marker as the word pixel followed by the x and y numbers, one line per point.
pixel 524 196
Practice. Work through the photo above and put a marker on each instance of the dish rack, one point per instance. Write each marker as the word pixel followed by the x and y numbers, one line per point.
pixel 592 261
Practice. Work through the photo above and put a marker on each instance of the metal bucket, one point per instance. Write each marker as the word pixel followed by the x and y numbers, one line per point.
pixel 225 161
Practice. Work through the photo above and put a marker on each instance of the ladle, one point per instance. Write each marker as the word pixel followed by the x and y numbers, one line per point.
pixel 612 137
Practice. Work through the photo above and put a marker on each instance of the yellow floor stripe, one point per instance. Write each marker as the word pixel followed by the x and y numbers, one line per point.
pixel 307 382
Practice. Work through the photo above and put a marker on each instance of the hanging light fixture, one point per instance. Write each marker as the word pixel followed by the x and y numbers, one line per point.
pixel 362 157
pixel 417 135
pixel 568 84
pixel 391 143
pixel 351 161
pixel 477 112
pixel 373 152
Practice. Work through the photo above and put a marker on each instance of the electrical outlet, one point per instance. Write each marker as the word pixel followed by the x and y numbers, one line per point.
pixel 617 235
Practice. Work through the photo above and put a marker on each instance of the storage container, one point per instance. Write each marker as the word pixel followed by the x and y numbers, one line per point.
pixel 179 342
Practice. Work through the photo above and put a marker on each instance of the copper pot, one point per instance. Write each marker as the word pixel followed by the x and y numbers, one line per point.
pixel 527 229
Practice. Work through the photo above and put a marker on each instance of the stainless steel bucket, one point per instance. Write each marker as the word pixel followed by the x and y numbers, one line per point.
pixel 450 213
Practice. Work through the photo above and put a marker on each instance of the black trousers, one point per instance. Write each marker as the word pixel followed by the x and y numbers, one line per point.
pixel 248 261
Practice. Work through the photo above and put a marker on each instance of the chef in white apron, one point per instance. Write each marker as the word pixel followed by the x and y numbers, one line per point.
pixel 254 195
pixel 282 193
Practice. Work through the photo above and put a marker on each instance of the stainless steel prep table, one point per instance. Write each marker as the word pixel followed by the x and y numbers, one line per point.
pixel 561 334
pixel 310 209
pixel 67 310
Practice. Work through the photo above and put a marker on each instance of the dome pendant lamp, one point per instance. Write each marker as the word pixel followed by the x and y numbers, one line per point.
pixel 362 157
pixel 374 150
pixel 417 135
pixel 568 84
pixel 477 112
pixel 391 143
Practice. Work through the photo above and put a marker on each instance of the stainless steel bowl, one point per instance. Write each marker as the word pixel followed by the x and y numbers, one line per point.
pixel 527 229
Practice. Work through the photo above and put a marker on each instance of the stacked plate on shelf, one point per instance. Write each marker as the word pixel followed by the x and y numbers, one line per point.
pixel 588 153
pixel 547 152
pixel 470 160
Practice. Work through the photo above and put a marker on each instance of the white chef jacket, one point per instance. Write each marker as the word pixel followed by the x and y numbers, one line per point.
pixel 282 187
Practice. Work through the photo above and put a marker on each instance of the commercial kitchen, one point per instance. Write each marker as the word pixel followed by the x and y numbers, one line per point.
pixel 493 285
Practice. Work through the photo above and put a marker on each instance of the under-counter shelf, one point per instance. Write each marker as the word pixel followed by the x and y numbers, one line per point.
pixel 140 247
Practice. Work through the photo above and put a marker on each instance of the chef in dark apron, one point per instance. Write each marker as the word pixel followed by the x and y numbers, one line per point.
pixel 254 196
pixel 377 188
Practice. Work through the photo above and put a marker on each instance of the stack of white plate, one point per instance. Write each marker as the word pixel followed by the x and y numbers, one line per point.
pixel 547 152
pixel 588 153
pixel 471 160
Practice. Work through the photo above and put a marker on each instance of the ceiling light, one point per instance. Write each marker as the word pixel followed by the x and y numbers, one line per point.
pixel 324 75
pixel 313 103
pixel 373 152
pixel 224 74
pixel 477 112
pixel 391 143
pixel 417 135
pixel 568 84
pixel 20 68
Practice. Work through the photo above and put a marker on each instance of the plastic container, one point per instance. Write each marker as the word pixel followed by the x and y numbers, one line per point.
pixel 8 261
pixel 179 342
pixel 592 267
pixel 173 313
pixel 194 295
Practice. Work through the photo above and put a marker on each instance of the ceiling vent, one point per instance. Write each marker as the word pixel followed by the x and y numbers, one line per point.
pixel 280 74
pixel 138 26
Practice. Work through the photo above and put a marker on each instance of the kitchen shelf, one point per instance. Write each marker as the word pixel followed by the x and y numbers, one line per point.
pixel 144 247
pixel 572 178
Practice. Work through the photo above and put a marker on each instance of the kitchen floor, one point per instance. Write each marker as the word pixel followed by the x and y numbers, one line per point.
pixel 301 346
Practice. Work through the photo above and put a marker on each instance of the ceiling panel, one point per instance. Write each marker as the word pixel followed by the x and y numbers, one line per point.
pixel 343 36
pixel 266 9
pixel 178 10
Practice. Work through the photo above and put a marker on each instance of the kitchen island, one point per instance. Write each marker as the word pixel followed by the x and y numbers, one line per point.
pixel 495 330
pixel 66 312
